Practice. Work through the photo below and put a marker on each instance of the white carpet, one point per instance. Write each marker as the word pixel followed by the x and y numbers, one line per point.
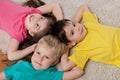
pixel 108 12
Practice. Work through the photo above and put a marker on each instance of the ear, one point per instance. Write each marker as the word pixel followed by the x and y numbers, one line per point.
pixel 71 44
pixel 31 33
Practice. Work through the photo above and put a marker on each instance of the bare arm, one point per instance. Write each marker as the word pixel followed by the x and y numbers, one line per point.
pixel 79 13
pixel 65 63
pixel 55 9
pixel 15 54
pixel 73 74
pixel 2 76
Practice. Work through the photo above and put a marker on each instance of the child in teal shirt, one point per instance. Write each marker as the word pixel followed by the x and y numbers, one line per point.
pixel 42 66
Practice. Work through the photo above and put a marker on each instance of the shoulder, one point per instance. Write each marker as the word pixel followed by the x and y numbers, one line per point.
pixel 54 74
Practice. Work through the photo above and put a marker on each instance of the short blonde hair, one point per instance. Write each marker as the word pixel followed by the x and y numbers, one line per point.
pixel 53 42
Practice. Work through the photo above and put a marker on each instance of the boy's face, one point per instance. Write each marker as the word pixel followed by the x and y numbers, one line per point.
pixel 43 57
pixel 35 23
pixel 75 32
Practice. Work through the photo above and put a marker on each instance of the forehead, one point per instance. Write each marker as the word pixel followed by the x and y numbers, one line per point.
pixel 68 24
pixel 42 44
pixel 43 47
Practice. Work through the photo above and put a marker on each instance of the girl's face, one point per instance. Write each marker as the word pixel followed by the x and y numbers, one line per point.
pixel 75 32
pixel 35 23
pixel 43 57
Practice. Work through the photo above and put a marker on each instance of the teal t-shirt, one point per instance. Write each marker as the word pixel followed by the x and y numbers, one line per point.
pixel 24 71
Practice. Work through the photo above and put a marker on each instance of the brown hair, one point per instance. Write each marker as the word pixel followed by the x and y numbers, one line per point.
pixel 31 40
pixel 58 30
pixel 33 3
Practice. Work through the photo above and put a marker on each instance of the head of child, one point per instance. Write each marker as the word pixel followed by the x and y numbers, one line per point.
pixel 69 32
pixel 38 25
pixel 47 52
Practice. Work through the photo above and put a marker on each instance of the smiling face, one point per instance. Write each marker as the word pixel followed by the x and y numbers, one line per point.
pixel 43 57
pixel 35 24
pixel 75 32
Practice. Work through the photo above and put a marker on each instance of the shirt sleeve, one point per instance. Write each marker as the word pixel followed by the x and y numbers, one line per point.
pixel 9 71
pixel 56 75
pixel 80 59
pixel 89 17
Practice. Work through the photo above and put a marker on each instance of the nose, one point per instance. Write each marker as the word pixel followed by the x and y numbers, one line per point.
pixel 77 28
pixel 40 59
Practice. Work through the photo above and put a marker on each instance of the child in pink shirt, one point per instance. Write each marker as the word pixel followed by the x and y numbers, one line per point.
pixel 17 21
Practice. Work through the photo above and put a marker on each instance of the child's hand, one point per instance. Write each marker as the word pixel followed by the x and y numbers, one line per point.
pixel 53 8
pixel 79 14
pixel 33 46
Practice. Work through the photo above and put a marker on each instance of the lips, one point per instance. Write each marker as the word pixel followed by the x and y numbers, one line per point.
pixel 39 63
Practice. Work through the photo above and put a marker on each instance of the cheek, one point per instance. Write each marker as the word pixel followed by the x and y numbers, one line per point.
pixel 78 38
pixel 30 28
pixel 66 34
pixel 32 61
pixel 45 26
pixel 75 38
pixel 48 63
pixel 33 57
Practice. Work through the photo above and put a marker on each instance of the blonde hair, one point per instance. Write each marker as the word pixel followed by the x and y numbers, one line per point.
pixel 53 42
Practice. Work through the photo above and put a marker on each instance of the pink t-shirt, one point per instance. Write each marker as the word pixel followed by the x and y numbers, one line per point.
pixel 12 18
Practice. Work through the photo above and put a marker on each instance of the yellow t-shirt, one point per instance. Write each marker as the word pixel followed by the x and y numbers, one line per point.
pixel 101 44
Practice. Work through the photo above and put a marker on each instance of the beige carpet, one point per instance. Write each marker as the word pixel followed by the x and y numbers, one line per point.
pixel 108 12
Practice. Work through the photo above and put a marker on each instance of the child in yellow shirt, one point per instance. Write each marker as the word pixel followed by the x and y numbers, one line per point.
pixel 91 40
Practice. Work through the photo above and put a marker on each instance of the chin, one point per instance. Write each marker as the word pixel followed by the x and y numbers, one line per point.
pixel 36 68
